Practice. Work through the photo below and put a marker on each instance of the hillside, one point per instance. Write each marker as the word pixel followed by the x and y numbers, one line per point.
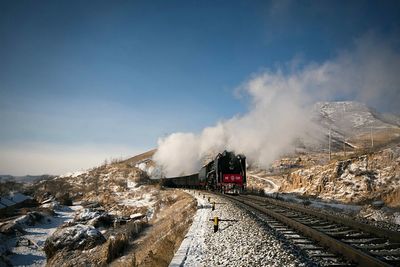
pixel 26 178
pixel 114 211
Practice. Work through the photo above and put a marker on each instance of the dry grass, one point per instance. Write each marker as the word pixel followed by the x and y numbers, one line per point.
pixel 381 137
pixel 115 246
pixel 140 157
pixel 139 243
pixel 161 241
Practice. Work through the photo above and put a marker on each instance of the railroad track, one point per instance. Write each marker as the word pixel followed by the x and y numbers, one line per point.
pixel 315 232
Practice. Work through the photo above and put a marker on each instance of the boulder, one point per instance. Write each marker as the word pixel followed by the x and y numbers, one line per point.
pixel 64 199
pixel 76 237
pixel 378 204
pixel 11 228
pixel 30 219
pixel 94 217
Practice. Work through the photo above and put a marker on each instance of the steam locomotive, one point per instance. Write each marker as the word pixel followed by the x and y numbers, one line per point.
pixel 226 173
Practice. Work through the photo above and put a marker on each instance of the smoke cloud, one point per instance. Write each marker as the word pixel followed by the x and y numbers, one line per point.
pixel 280 107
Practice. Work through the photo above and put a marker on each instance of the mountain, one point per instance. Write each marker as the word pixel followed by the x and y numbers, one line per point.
pixel 26 178
pixel 353 117
pixel 355 122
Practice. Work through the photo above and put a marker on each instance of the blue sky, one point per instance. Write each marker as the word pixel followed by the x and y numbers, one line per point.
pixel 107 78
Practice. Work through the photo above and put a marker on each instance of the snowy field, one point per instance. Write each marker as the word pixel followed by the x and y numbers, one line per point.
pixel 27 250
pixel 243 241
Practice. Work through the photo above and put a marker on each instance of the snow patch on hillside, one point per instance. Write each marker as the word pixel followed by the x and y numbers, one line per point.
pixel 27 250
pixel 73 174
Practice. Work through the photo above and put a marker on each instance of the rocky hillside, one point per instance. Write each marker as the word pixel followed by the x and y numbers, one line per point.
pixel 358 179
pixel 110 215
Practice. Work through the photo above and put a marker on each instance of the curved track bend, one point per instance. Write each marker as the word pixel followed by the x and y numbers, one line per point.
pixel 361 244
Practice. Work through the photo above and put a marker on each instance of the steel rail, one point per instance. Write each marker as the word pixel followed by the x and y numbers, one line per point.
pixel 337 246
pixel 390 235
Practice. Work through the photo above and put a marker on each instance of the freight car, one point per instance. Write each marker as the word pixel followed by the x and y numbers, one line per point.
pixel 226 173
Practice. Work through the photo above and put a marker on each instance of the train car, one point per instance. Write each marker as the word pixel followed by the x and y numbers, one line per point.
pixel 188 181
pixel 226 173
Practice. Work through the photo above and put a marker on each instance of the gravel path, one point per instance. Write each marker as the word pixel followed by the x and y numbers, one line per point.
pixel 246 241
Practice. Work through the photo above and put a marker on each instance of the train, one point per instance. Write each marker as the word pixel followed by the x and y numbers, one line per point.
pixel 226 174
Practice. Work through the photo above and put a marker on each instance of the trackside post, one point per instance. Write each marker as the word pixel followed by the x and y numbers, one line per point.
pixel 216 224
pixel 216 221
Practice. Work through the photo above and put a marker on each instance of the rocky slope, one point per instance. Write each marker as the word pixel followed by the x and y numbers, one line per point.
pixel 117 217
pixel 359 179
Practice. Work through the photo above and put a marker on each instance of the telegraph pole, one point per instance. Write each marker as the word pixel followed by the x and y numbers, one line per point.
pixel 372 137
pixel 344 135
pixel 344 145
pixel 330 139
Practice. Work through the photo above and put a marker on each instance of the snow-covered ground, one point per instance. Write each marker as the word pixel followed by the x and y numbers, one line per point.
pixel 272 186
pixel 242 241
pixel 192 247
pixel 73 174
pixel 27 250
pixel 12 199
pixel 320 204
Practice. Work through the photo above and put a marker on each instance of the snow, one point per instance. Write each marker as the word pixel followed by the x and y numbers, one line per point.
pixel 131 184
pixel 87 214
pixel 273 187
pixel 12 199
pixel 337 206
pixel 396 216
pixel 143 201
pixel 138 200
pixel 33 255
pixel 73 174
pixel 150 170
pixel 349 115
pixel 142 166
pixel 6 202
pixel 75 233
pixel 192 247
pixel 243 240
pixel 18 197
pixel 136 215
pixel 321 204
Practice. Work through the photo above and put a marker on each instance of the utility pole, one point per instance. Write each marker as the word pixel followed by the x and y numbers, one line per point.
pixel 330 139
pixel 372 137
pixel 344 135
pixel 344 145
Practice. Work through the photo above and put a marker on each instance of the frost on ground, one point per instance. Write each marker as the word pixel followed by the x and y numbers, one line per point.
pixel 193 246
pixel 126 220
pixel 27 249
pixel 351 185
pixel 243 241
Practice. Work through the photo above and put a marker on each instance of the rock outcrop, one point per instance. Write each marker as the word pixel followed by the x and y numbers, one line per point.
pixel 76 237
pixel 364 178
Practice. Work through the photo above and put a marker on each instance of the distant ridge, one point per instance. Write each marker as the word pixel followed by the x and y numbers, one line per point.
pixel 26 178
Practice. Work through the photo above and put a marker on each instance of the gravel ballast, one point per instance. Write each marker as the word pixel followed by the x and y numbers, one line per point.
pixel 244 240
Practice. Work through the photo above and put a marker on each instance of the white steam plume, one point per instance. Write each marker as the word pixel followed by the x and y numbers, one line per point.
pixel 280 107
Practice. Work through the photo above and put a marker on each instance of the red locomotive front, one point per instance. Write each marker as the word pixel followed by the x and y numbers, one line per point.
pixel 233 178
